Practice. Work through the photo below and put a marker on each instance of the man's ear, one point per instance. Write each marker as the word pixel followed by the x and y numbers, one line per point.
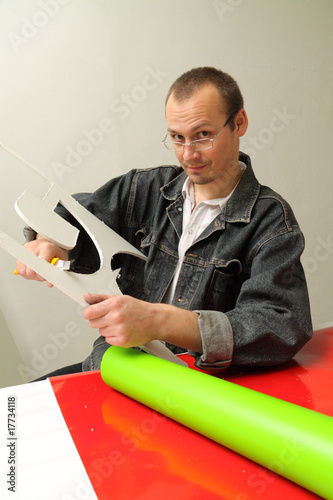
pixel 241 122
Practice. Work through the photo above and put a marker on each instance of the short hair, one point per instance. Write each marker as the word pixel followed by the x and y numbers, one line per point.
pixel 227 87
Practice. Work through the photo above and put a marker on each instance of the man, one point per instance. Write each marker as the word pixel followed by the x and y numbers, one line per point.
pixel 223 277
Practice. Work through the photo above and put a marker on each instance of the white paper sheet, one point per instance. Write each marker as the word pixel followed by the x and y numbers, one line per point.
pixel 47 464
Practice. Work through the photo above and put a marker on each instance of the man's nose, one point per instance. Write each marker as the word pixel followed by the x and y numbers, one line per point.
pixel 190 153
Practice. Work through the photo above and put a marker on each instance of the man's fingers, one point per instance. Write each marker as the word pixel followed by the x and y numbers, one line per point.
pixel 95 298
pixel 43 249
pixel 93 311
pixel 27 272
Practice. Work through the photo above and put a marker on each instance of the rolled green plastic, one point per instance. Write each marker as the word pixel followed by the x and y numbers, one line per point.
pixel 290 440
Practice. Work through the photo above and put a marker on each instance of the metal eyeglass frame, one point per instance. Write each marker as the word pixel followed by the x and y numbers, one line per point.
pixel 193 143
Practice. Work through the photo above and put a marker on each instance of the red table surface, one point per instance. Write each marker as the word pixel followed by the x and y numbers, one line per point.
pixel 132 452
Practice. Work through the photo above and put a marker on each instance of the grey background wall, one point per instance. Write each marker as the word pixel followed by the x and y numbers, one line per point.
pixel 82 93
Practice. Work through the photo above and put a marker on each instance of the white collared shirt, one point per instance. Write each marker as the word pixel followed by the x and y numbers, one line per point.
pixel 195 221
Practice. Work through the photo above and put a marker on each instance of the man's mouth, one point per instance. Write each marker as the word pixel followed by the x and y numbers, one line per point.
pixel 195 168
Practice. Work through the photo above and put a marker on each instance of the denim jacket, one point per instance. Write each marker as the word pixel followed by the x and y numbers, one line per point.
pixel 242 276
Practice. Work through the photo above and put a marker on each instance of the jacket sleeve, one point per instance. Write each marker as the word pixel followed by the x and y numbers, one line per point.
pixel 271 319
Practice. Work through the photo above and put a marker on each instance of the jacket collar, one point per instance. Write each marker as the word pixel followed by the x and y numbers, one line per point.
pixel 238 207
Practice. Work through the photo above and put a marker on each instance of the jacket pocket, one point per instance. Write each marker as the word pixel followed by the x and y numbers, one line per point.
pixel 224 286
pixel 145 236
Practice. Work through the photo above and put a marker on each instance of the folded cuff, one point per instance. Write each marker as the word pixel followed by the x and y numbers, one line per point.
pixel 217 341
pixel 29 234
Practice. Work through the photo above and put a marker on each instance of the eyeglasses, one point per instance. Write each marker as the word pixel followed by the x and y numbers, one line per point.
pixel 198 145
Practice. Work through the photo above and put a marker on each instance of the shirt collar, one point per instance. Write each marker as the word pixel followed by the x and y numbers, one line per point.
pixel 188 192
pixel 239 207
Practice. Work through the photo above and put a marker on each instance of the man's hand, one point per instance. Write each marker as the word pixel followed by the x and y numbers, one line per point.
pixel 44 249
pixel 122 320
pixel 129 322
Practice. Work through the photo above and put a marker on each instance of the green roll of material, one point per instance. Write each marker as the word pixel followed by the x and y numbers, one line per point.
pixel 292 441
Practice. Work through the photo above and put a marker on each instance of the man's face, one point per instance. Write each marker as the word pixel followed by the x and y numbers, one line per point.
pixel 202 115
